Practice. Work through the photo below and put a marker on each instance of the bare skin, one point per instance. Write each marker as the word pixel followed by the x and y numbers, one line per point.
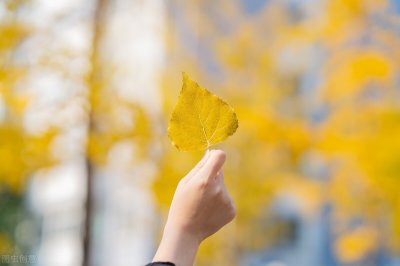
pixel 200 207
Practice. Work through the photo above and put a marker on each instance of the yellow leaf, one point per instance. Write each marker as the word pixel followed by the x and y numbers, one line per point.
pixel 200 119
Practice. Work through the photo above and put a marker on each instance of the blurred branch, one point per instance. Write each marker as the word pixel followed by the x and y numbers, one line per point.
pixel 93 87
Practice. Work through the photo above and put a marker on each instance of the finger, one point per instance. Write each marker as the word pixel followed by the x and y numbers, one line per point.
pixel 213 164
pixel 220 176
pixel 198 166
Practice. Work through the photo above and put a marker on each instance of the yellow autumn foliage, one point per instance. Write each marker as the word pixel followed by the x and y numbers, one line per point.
pixel 316 90
pixel 353 246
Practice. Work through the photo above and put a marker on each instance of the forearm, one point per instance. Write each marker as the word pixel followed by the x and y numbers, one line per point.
pixel 177 247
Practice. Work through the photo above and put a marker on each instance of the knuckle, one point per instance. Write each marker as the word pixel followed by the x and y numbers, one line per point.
pixel 203 184
pixel 219 191
pixel 232 211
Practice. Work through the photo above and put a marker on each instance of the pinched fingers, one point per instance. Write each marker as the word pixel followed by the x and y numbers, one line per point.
pixel 198 166
pixel 212 166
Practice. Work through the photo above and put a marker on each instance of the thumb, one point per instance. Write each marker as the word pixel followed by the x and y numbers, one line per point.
pixel 213 165
pixel 195 169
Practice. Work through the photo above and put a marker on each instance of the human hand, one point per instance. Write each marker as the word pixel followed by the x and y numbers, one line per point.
pixel 200 207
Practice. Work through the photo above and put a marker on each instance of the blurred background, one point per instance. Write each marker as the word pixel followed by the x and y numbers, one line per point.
pixel 87 171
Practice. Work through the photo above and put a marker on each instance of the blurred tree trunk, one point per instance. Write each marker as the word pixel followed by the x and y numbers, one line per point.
pixel 93 85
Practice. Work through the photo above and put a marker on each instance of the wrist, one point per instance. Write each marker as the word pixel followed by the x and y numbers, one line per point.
pixel 177 246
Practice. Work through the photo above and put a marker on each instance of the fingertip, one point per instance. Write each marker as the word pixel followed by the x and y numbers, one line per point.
pixel 218 155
